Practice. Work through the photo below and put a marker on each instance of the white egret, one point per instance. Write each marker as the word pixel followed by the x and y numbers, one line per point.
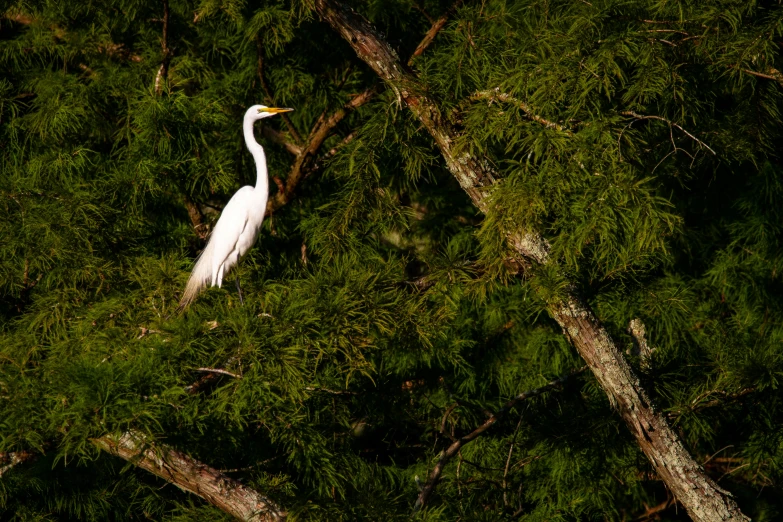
pixel 238 225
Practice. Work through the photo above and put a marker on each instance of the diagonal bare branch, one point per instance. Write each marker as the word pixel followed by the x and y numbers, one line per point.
pixel 190 475
pixel 280 139
pixel 306 158
pixel 495 95
pixel 437 25
pixel 455 446
pixel 671 123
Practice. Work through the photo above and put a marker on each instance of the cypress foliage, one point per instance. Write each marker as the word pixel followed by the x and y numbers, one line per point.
pixel 381 319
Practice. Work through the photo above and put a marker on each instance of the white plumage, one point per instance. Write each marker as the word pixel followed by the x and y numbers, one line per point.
pixel 238 226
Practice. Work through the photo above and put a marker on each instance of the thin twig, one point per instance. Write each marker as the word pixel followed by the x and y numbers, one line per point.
pixel 219 371
pixel 508 462
pixel 697 405
pixel 495 95
pixel 645 117
pixel 455 446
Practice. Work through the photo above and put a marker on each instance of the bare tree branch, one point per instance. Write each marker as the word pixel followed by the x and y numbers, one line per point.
pixel 192 476
pixel 701 496
pixel 163 71
pixel 455 446
pixel 437 25
pixel 219 371
pixel 671 123
pixel 641 348
pixel 773 74
pixel 306 158
pixel 280 139
pixel 722 397
pixel 13 458
pixel 497 96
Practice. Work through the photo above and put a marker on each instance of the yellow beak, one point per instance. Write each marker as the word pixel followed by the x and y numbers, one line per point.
pixel 273 110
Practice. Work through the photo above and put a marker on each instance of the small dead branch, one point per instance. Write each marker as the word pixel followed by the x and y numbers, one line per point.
pixel 455 446
pixel 218 371
pixel 163 71
pixel 671 124
pixel 437 25
pixel 641 348
pixel 722 398
pixel 495 95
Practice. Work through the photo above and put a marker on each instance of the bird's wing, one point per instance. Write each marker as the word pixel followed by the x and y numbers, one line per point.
pixel 230 225
pixel 221 243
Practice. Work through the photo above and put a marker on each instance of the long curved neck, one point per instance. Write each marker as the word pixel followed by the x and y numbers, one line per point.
pixel 262 175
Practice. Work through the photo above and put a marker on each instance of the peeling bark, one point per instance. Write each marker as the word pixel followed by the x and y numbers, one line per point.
pixel 192 476
pixel 701 496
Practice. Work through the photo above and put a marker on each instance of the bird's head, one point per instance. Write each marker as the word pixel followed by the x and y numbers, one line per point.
pixel 258 112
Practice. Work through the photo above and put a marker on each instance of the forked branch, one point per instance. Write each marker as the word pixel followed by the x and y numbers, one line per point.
pixel 306 158
pixel 455 446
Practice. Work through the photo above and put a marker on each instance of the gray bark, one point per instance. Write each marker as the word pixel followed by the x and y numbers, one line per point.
pixel 192 476
pixel 698 493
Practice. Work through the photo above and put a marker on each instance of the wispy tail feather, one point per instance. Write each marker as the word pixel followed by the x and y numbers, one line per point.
pixel 200 277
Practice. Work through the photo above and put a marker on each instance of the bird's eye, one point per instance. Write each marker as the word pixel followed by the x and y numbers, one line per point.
pixel 260 111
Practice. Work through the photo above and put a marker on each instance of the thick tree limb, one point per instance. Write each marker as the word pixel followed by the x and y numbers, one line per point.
pixel 455 446
pixel 701 496
pixel 192 476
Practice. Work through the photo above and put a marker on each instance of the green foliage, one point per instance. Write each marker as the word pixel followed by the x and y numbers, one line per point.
pixel 640 138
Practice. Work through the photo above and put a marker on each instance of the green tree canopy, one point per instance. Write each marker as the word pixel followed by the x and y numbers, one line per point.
pixel 385 317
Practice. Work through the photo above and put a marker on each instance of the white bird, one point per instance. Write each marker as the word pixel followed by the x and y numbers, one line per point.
pixel 239 224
